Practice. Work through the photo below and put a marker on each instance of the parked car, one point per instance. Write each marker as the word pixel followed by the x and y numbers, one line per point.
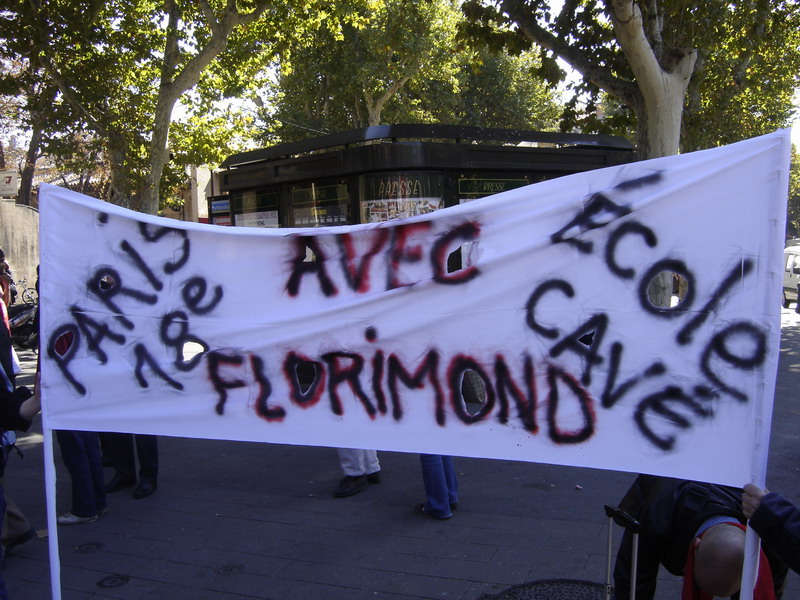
pixel 791 274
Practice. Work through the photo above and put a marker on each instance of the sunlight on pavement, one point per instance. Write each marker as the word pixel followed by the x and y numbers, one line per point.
pixel 789 318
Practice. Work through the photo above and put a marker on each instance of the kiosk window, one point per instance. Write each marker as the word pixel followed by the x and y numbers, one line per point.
pixel 319 204
pixel 256 208
pixel 472 187
pixel 397 195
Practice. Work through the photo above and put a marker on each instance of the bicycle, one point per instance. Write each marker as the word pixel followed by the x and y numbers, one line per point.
pixel 27 294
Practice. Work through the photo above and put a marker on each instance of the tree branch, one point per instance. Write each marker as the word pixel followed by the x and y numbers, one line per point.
pixel 599 76
pixel 654 25
pixel 45 62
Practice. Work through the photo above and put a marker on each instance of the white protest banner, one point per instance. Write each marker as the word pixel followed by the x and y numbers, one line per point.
pixel 359 336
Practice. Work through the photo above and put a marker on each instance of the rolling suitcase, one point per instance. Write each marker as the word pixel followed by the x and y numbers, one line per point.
pixel 623 519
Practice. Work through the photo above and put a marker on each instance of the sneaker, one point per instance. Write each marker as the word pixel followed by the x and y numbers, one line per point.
pixel 70 519
pixel 349 485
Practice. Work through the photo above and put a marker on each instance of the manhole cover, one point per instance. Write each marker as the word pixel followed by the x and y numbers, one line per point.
pixel 552 589
pixel 86 548
pixel 113 581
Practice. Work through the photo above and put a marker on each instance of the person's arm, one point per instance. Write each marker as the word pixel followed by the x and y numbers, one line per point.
pixel 751 499
pixel 32 406
pixel 20 406
pixel 777 522
pixel 5 286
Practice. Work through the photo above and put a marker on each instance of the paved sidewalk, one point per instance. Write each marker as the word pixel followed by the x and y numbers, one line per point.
pixel 234 520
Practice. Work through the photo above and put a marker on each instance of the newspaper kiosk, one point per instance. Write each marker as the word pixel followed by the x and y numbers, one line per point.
pixel 393 171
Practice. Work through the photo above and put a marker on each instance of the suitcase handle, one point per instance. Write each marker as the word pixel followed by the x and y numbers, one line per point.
pixel 622 518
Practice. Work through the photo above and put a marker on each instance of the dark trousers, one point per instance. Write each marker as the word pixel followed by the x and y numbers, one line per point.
pixel 123 448
pixel 80 451
pixel 3 591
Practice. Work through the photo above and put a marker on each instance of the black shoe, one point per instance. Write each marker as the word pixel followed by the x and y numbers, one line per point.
pixel 119 482
pixel 374 477
pixel 20 539
pixel 349 485
pixel 144 489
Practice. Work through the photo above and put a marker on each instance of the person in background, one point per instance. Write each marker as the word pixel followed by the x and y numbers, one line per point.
pixel 696 530
pixel 16 529
pixel 438 472
pixel 776 521
pixel 441 486
pixel 360 468
pixel 18 407
pixel 123 449
pixel 80 451
pixel 6 281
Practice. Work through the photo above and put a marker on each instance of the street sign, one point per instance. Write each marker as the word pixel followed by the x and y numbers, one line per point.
pixel 8 183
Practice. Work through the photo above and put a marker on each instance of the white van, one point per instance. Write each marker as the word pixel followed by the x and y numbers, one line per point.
pixel 791 274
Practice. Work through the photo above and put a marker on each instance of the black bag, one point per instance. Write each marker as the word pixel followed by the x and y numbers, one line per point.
pixel 8 442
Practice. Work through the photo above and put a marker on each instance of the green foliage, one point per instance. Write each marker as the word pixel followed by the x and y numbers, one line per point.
pixel 744 79
pixel 351 77
pixel 747 74
pixel 492 89
pixel 793 218
pixel 121 65
pixel 403 62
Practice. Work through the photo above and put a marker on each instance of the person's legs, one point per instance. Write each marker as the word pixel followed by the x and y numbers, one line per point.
pixel 437 501
pixel 16 529
pixel 120 449
pixel 352 461
pixel 147 451
pixel 450 479
pixel 15 523
pixel 123 461
pixel 74 456
pixel 105 445
pixel 3 591
pixel 372 465
pixel 94 459
pixel 359 467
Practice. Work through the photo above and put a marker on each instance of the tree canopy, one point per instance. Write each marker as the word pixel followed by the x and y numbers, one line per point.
pixel 688 75
pixel 120 67
pixel 403 62
pixel 98 82
pixel 348 78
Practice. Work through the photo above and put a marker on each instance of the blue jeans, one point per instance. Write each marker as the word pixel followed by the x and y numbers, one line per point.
pixel 80 451
pixel 441 484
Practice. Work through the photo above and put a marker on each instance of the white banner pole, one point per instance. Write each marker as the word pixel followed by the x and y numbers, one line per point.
pixel 750 569
pixel 752 544
pixel 52 523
